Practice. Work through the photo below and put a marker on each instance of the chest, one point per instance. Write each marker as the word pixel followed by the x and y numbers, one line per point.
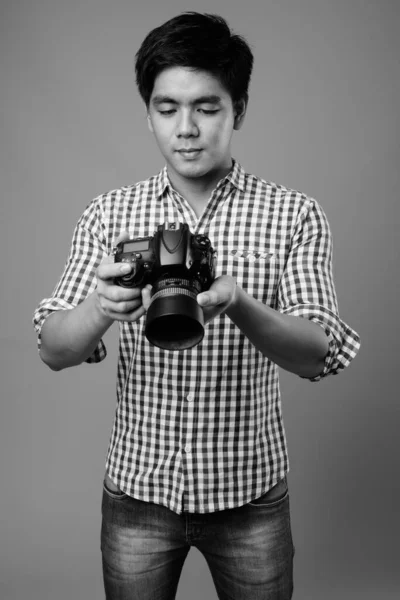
pixel 252 239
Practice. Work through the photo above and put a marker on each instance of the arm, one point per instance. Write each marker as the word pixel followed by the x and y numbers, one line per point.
pixel 70 337
pixel 305 334
pixel 85 301
pixel 293 343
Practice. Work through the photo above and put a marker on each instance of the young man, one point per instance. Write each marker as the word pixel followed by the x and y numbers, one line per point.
pixel 197 455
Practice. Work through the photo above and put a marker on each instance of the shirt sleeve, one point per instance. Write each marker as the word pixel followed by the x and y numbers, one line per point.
pixel 78 280
pixel 307 289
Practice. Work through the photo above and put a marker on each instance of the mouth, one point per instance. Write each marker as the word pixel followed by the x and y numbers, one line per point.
pixel 189 152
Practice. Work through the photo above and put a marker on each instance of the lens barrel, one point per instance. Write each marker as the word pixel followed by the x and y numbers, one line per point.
pixel 174 319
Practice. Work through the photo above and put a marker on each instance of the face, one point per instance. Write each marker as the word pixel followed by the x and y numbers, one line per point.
pixel 192 117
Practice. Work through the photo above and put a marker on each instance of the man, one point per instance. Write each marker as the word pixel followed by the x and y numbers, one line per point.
pixel 197 455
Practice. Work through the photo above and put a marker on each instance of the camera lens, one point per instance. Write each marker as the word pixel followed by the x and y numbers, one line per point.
pixel 174 319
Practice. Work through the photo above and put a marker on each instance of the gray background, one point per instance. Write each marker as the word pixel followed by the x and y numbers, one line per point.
pixel 323 118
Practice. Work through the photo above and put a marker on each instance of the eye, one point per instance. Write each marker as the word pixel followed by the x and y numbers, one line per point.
pixel 207 111
pixel 167 112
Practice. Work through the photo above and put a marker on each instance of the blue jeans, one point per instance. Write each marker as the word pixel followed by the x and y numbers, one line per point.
pixel 249 549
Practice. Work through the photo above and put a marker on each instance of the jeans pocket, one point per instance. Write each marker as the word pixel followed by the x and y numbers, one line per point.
pixel 272 497
pixel 112 490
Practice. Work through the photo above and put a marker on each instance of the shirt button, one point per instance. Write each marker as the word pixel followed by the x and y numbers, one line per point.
pixel 188 448
pixel 190 397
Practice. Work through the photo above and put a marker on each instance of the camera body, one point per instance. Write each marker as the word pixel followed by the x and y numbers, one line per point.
pixel 173 247
pixel 179 265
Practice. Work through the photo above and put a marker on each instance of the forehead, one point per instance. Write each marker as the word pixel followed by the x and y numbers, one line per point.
pixel 185 84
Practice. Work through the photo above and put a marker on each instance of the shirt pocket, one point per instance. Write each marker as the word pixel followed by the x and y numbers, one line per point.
pixel 256 270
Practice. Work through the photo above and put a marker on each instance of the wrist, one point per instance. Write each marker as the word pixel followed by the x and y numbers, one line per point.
pixel 100 315
pixel 234 305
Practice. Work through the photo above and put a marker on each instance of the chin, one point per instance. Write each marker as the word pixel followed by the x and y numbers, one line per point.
pixel 193 171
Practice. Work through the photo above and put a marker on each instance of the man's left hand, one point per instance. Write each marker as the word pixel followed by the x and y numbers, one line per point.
pixel 218 298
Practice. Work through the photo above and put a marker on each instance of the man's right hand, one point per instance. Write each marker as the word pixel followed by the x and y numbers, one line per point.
pixel 116 302
pixel 70 336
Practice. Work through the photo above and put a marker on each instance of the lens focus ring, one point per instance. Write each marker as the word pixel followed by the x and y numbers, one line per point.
pixel 173 291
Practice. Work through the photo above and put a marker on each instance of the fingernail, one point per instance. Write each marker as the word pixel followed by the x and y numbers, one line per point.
pixel 125 268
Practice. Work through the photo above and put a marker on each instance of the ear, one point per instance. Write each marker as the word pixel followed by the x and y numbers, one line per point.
pixel 239 109
pixel 149 123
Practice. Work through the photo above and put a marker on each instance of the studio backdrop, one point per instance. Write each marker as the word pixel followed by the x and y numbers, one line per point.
pixel 323 118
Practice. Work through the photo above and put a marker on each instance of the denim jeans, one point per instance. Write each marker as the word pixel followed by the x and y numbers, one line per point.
pixel 249 549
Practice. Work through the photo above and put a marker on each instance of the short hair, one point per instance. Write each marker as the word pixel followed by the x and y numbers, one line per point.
pixel 200 41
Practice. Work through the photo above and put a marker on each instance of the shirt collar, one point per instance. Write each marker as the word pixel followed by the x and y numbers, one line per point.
pixel 236 176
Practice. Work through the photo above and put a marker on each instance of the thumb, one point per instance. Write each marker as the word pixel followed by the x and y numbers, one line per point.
pixel 123 237
pixel 209 298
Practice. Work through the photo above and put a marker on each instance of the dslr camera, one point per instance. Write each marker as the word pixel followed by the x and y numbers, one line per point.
pixel 179 265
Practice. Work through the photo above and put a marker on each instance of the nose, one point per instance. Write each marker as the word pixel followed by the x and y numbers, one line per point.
pixel 186 126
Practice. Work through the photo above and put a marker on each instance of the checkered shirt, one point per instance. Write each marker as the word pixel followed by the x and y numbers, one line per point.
pixel 201 430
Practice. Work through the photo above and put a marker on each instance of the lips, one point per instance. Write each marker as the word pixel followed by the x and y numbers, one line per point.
pixel 189 153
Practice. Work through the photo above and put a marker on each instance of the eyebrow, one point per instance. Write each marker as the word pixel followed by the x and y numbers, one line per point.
pixel 210 99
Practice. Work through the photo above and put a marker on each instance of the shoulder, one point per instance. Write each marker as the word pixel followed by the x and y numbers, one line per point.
pixel 126 194
pixel 116 200
pixel 284 198
pixel 108 214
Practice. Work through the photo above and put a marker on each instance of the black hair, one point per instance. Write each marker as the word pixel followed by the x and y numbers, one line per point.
pixel 199 41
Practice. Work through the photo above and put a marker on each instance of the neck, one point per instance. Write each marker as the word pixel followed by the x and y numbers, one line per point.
pixel 197 190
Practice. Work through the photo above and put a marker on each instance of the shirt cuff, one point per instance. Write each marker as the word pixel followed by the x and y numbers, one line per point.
pixel 344 342
pixel 45 309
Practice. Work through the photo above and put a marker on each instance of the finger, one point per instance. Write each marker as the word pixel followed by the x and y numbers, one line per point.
pixel 130 316
pixel 146 296
pixel 108 270
pixel 203 299
pixel 212 298
pixel 123 307
pixel 116 293
pixel 220 292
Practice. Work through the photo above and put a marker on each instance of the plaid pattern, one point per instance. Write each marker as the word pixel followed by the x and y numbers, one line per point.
pixel 201 430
